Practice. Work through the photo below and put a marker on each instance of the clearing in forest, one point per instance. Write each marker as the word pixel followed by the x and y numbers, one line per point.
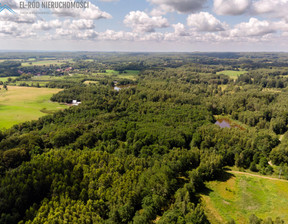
pixel 239 195
pixel 20 104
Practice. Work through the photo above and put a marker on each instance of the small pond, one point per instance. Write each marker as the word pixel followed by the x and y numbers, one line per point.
pixel 117 88
pixel 226 123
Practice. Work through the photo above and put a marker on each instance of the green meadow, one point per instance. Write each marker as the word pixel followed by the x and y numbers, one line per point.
pixel 3 79
pixel 242 194
pixel 128 74
pixel 48 78
pixel 232 74
pixel 20 104
pixel 46 62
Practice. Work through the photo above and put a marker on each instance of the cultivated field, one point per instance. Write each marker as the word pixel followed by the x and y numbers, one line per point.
pixel 243 194
pixel 20 104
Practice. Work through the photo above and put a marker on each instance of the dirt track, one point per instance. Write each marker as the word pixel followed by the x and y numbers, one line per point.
pixel 255 175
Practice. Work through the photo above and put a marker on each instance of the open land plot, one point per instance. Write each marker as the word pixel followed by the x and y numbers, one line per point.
pixel 20 104
pixel 91 82
pixel 128 74
pixel 232 74
pixel 30 83
pixel 46 62
pixel 47 78
pixel 4 79
pixel 242 195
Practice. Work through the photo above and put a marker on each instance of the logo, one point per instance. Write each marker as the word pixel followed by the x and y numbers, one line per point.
pixel 3 7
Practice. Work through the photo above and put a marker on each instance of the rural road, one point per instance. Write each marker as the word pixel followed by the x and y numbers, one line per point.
pixel 255 175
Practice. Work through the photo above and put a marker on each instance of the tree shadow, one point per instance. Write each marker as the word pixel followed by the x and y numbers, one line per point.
pixel 222 177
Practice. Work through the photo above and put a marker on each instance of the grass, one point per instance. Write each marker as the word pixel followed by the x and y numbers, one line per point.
pixel 46 62
pixel 91 82
pixel 129 74
pixel 47 78
pixel 18 83
pixel 20 104
pixel 242 195
pixel 3 79
pixel 232 74
pixel 112 72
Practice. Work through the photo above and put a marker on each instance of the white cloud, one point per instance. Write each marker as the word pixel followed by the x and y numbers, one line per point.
pixel 231 7
pixel 120 35
pixel 8 29
pixel 47 25
pixel 71 34
pixel 87 34
pixel 141 22
pixel 204 21
pixel 274 8
pixel 18 18
pixel 179 29
pixel 91 13
pixel 254 27
pixel 181 6
pixel 82 24
pixel 152 37
pixel 281 25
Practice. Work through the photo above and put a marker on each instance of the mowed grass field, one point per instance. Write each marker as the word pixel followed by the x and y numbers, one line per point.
pixel 232 74
pixel 20 104
pixel 242 195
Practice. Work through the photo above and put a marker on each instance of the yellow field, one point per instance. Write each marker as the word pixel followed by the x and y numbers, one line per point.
pixel 20 104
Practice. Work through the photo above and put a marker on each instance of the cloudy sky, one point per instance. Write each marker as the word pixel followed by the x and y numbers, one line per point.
pixel 148 25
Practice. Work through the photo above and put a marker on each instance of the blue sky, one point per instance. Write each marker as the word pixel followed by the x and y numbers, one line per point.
pixel 148 25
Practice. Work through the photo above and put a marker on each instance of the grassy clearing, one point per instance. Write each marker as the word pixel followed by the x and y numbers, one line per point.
pixel 3 79
pixel 91 82
pixel 20 104
pixel 46 62
pixel 128 74
pixel 132 72
pixel 242 195
pixel 47 78
pixel 112 72
pixel 30 83
pixel 232 74
pixel 272 90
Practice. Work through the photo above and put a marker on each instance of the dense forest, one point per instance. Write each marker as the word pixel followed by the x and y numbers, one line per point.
pixel 144 153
